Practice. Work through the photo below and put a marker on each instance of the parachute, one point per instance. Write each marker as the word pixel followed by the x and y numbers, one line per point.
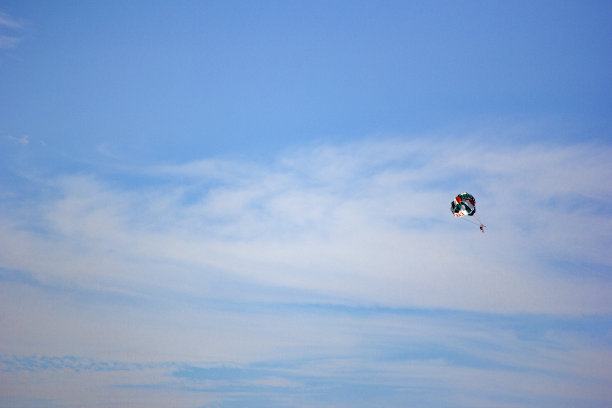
pixel 463 206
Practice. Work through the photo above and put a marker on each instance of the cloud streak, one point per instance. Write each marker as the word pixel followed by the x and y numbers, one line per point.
pixel 373 214
pixel 8 42
pixel 20 140
pixel 329 270
pixel 9 24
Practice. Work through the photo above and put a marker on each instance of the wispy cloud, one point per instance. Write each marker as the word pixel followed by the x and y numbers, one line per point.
pixel 24 140
pixel 8 41
pixel 326 271
pixel 7 23
pixel 373 213
pixel 437 358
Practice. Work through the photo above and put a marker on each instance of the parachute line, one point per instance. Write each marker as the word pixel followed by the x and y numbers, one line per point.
pixel 471 221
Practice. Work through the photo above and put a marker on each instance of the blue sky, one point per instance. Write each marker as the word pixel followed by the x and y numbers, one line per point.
pixel 229 204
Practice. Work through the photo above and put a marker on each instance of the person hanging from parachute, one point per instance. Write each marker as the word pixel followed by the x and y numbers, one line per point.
pixel 465 205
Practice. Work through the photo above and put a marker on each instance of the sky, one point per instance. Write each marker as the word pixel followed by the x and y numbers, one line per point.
pixel 220 204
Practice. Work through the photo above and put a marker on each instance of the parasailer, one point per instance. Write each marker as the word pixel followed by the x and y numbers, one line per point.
pixel 463 205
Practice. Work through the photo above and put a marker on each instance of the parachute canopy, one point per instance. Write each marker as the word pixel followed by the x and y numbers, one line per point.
pixel 464 204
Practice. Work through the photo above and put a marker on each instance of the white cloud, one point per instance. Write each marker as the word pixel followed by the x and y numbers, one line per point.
pixel 7 42
pixel 24 140
pixel 362 223
pixel 8 21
